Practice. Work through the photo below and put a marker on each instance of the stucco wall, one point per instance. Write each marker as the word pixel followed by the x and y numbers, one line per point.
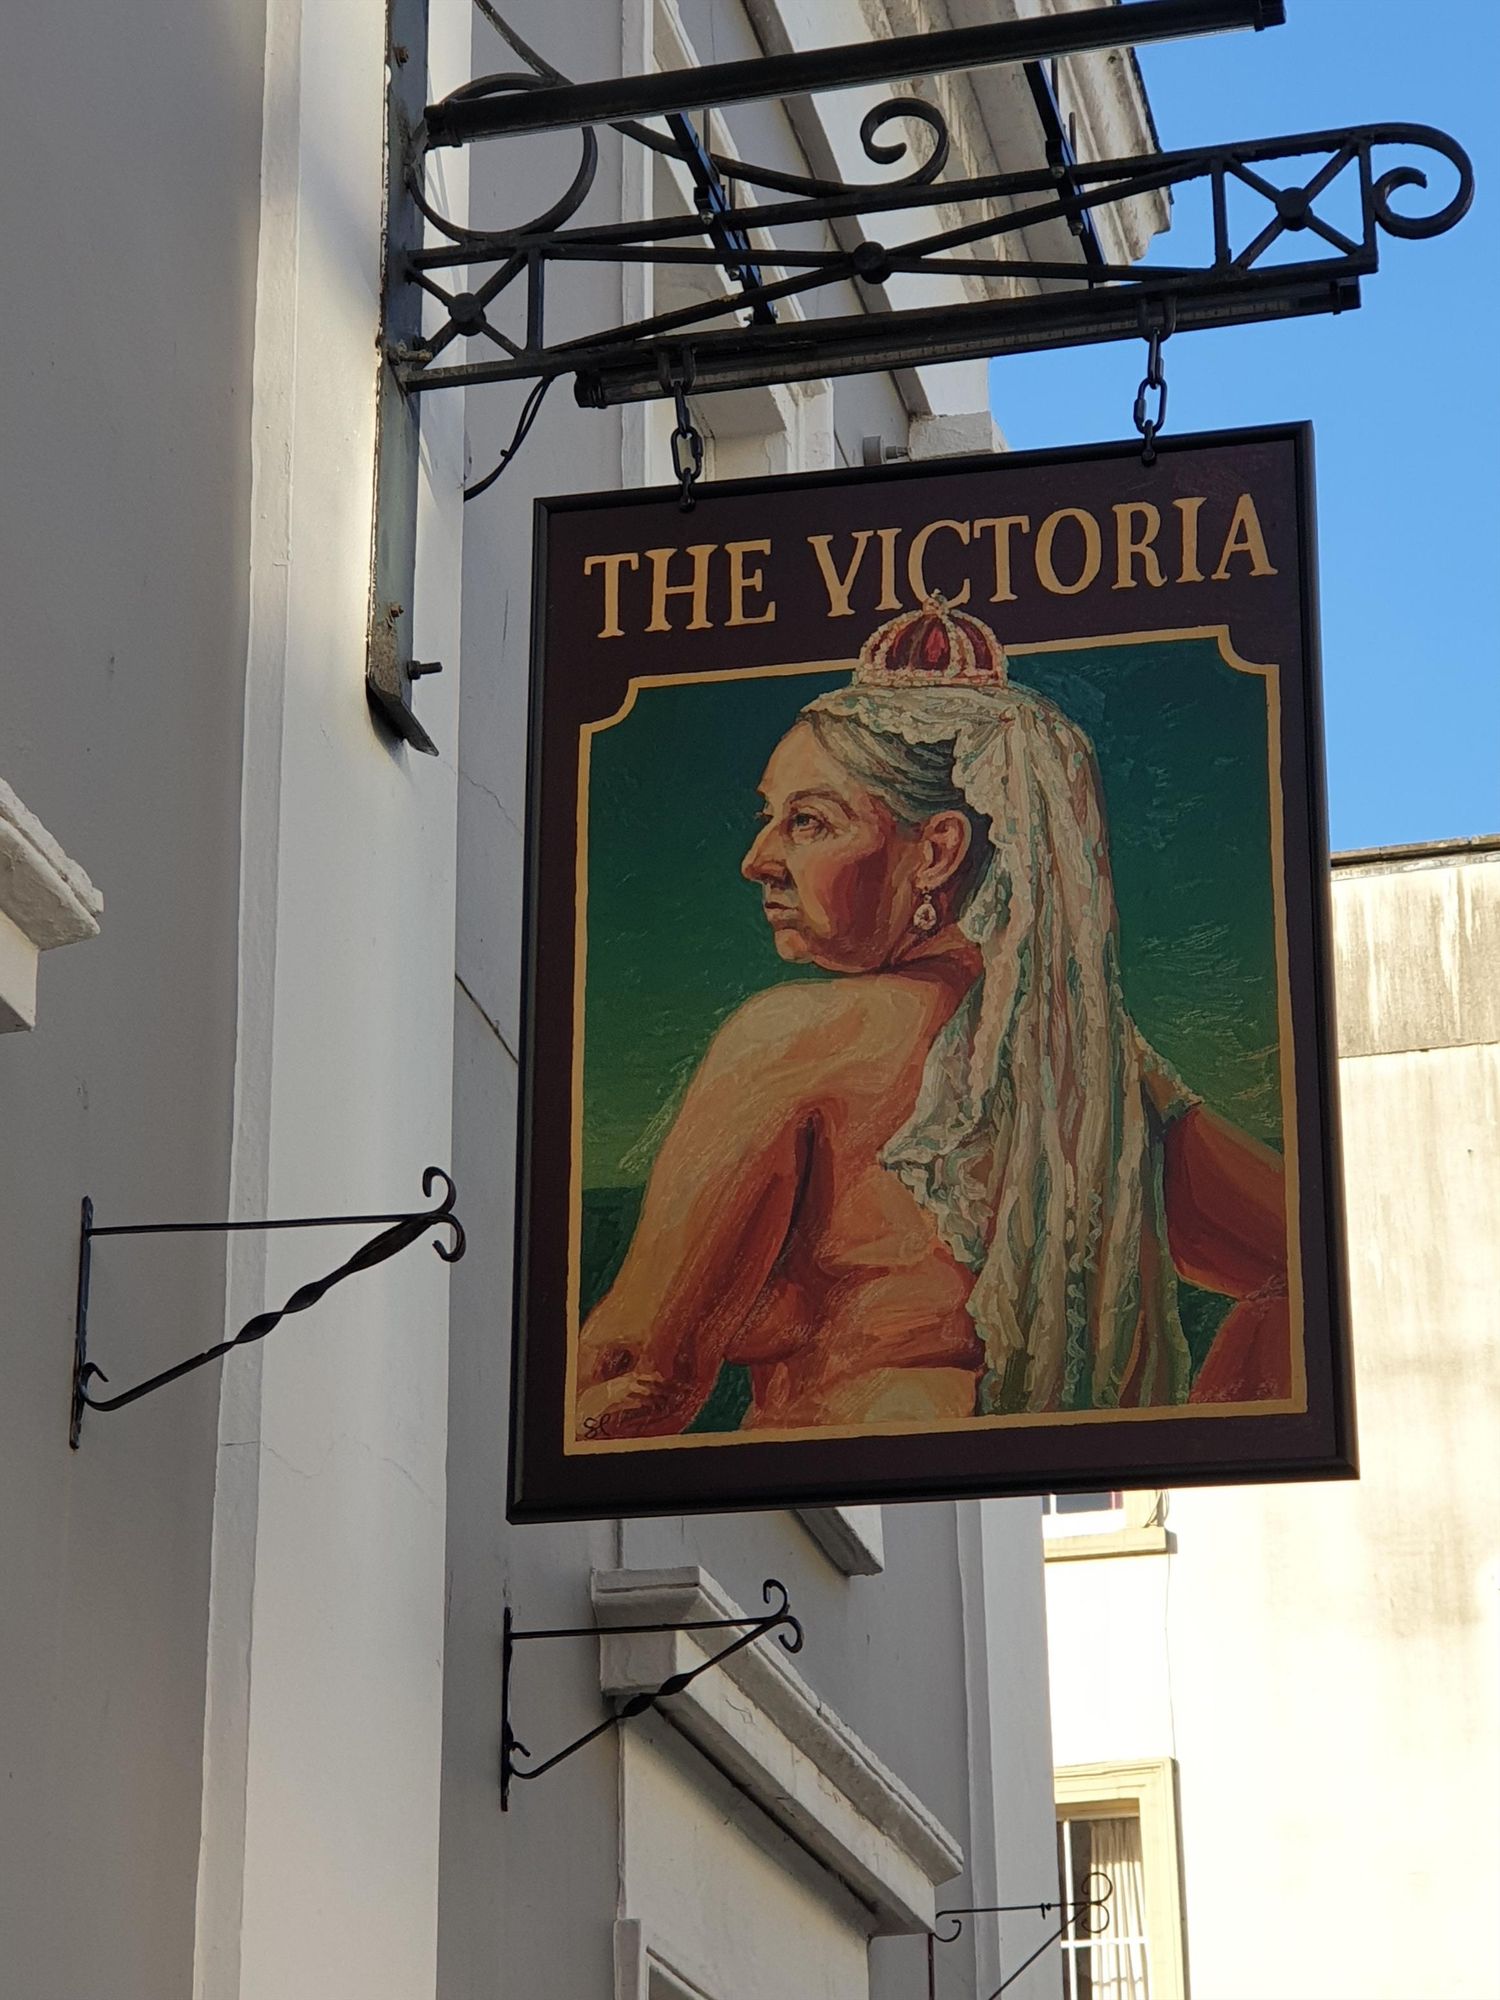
pixel 1324 1660
pixel 130 204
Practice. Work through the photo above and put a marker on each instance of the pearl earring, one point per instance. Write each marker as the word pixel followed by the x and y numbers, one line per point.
pixel 924 917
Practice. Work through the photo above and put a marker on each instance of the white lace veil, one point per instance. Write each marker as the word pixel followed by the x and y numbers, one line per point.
pixel 1034 1142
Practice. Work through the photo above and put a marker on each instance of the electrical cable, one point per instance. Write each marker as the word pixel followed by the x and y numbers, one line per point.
pixel 527 418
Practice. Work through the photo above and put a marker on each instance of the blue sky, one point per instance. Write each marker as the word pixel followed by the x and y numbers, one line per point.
pixel 1404 396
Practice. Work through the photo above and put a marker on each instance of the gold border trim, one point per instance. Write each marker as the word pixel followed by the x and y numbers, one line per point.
pixel 1296 1404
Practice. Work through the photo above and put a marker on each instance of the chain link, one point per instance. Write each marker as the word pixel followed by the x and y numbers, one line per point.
pixel 1154 381
pixel 687 455
pixel 687 439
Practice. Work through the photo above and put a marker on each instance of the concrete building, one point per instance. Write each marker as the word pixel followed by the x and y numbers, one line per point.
pixel 250 1630
pixel 1286 1699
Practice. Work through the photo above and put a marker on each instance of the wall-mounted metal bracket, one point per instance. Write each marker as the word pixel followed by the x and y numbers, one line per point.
pixel 1071 299
pixel 1071 1912
pixel 778 1619
pixel 389 667
pixel 405 1228
pixel 489 284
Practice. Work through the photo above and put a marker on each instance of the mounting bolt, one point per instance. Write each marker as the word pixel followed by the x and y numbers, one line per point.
pixel 393 611
pixel 400 54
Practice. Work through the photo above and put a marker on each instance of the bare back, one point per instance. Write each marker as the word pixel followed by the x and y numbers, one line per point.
pixel 772 1237
pixel 863 1316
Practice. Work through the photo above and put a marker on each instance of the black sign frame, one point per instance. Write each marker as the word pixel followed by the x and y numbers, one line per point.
pixel 578 674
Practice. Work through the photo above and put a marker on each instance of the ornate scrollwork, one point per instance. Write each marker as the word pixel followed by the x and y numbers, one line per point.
pixel 562 210
pixel 881 153
pixel 1453 210
pixel 730 169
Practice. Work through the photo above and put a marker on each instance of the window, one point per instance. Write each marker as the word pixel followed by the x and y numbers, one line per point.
pixel 1106 1953
pixel 1057 1507
pixel 1104 1524
pixel 1119 1822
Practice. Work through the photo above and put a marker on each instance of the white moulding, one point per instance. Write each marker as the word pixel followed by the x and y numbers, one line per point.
pixel 758 1721
pixel 852 1538
pixel 45 900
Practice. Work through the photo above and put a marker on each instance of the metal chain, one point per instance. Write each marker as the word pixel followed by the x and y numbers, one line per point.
pixel 1154 379
pixel 687 454
pixel 687 439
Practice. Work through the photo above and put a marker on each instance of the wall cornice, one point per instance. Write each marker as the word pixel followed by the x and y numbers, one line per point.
pixel 758 1721
pixel 46 900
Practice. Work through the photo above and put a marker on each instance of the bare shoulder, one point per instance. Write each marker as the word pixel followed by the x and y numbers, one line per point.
pixel 807 1030
pixel 799 1018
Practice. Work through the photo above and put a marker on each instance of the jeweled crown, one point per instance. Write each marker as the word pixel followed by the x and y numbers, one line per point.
pixel 933 646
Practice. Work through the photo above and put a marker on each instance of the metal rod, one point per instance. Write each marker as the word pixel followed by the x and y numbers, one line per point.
pixel 804 350
pixel 81 1321
pixel 558 107
pixel 619 1631
pixel 222 1228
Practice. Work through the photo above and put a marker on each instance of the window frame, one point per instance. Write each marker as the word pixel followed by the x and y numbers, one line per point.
pixel 1139 1529
pixel 645 1969
pixel 1145 1790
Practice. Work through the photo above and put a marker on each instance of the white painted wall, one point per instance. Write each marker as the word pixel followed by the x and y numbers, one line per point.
pixel 129 231
pixel 1324 1660
pixel 319 1863
pixel 736 1903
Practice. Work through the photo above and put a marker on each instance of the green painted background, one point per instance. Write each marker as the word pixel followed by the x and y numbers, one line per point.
pixel 676 940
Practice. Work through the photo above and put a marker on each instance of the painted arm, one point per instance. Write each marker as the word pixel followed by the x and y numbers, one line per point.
pixel 1226 1227
pixel 716 1214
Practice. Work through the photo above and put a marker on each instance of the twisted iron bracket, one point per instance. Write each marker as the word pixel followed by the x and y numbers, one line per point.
pixel 404 1229
pixel 1070 1911
pixel 779 1619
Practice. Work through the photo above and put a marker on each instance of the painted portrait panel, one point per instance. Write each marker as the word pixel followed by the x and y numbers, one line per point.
pixel 939 1116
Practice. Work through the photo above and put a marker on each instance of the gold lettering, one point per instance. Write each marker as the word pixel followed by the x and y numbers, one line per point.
pixel 889 537
pixel 1189 510
pixel 1129 545
pixel 1000 527
pixel 916 575
pixel 1244 538
pixel 839 587
pixel 742 579
pixel 1092 551
pixel 611 565
pixel 697 590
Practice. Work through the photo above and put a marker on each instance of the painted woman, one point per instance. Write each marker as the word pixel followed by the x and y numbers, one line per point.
pixel 953 1181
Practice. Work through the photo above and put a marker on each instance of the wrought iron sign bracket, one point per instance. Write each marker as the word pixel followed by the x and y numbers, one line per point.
pixel 751 224
pixel 1070 1914
pixel 403 1229
pixel 779 1619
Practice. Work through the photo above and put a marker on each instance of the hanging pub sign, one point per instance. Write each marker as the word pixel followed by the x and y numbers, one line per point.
pixel 928 1078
